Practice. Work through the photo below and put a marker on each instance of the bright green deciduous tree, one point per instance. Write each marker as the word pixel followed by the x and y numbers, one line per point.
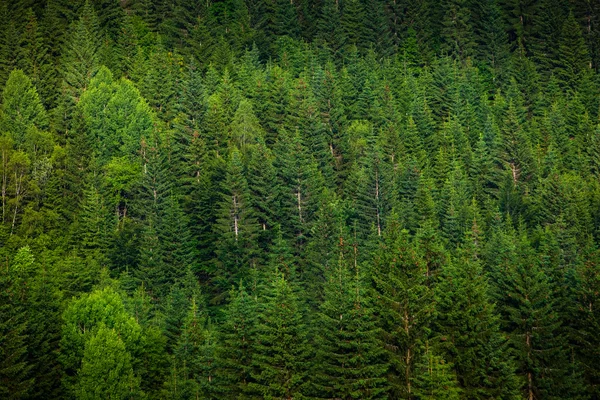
pixel 106 369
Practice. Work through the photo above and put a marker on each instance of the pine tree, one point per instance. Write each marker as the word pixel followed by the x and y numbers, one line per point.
pixel 404 303
pixel 238 334
pixel 469 328
pixel 281 351
pixel 351 361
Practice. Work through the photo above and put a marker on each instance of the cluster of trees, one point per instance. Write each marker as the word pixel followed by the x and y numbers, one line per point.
pixel 300 199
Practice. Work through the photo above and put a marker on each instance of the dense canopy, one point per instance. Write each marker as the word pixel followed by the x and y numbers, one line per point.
pixel 300 199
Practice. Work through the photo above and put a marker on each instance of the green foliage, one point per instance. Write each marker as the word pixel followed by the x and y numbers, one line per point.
pixel 405 303
pixel 350 361
pixel 106 370
pixel 80 60
pixel 86 317
pixel 22 108
pixel 281 352
pixel 325 159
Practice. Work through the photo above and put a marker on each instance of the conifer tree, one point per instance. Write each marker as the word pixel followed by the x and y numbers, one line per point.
pixel 435 378
pixel 281 351
pixel 353 25
pixel 351 360
pixel 238 334
pixel 15 381
pixel 493 46
pixel 34 59
pixel 299 188
pixel 404 303
pixel 528 310
pixel 36 291
pixel 573 61
pixel 470 332
pixel 329 29
pixel 457 29
pixel 80 60
pixel 236 227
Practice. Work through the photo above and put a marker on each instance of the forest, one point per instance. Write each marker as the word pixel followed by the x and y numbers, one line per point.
pixel 300 199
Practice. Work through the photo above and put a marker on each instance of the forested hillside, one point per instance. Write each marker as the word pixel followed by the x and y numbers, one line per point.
pixel 300 199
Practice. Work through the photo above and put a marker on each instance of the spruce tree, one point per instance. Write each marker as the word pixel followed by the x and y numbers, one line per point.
pixel 457 30
pixel 236 227
pixel 238 334
pixel 573 61
pixel 15 381
pixel 79 61
pixel 281 351
pixel 404 304
pixel 350 358
pixel 435 378
pixel 469 328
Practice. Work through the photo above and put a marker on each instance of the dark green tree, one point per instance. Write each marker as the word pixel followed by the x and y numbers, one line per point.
pixel 350 358
pixel 281 350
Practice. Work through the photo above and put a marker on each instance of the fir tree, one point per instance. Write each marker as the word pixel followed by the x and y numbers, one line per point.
pixel 79 60
pixel 281 351
pixel 238 334
pixel 573 61
pixel 351 359
pixel 470 333
pixel 405 306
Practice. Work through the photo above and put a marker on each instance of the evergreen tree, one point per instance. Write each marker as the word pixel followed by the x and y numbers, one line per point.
pixel 351 361
pixel 573 61
pixel 15 381
pixel 34 59
pixel 80 60
pixel 281 351
pixel 405 306
pixel 236 227
pixel 238 334
pixel 434 378
pixel 470 332
pixel 457 29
